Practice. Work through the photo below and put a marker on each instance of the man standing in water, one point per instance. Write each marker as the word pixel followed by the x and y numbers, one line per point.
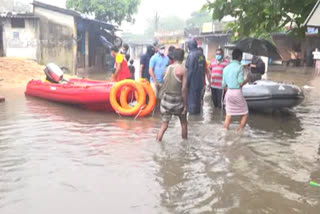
pixel 174 100
pixel 195 66
pixel 157 66
pixel 233 80
pixel 216 66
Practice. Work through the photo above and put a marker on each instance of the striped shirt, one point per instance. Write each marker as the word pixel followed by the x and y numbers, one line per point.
pixel 216 68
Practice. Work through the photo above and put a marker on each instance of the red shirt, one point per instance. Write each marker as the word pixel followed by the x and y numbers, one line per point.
pixel 216 68
pixel 124 72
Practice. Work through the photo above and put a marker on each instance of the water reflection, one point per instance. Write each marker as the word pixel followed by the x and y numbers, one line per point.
pixel 279 123
pixel 193 181
pixel 94 124
pixel 100 161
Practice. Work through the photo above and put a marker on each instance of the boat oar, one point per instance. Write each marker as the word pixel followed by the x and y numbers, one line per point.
pixel 314 184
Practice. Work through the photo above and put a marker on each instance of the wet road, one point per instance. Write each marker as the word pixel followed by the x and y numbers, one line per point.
pixel 59 159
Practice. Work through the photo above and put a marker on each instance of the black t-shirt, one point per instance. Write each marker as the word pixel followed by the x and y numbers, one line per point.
pixel 260 66
pixel 132 69
pixel 144 60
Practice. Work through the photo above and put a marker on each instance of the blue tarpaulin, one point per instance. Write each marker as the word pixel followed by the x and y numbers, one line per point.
pixel 105 42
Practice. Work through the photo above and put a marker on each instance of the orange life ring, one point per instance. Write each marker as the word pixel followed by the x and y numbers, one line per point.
pixel 149 91
pixel 141 97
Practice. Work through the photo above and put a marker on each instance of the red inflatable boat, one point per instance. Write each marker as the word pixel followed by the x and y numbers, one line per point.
pixel 88 94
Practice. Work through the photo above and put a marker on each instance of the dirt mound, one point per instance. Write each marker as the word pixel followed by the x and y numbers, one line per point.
pixel 15 72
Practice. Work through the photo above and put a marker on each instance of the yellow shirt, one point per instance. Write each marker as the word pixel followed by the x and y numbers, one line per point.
pixel 119 58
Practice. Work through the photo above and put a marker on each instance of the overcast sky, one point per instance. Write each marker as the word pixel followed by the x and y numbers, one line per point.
pixel 147 10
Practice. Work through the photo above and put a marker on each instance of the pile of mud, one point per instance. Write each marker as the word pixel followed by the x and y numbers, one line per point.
pixel 16 72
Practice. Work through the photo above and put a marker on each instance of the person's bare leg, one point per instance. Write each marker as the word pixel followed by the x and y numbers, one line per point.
pixel 227 121
pixel 243 122
pixel 184 126
pixel 162 130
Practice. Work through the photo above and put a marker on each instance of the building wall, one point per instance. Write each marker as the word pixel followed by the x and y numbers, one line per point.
pixel 287 46
pixel 211 44
pixel 21 42
pixel 137 50
pixel 212 47
pixel 56 38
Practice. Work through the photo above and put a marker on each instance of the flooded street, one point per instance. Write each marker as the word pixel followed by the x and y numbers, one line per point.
pixel 59 159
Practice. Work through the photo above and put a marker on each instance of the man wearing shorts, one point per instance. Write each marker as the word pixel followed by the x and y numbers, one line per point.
pixel 174 100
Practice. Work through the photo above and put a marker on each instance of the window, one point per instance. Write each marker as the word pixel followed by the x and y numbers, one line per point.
pixel 17 23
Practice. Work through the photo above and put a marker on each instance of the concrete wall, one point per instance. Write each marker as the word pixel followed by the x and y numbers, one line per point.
pixel 21 42
pixel 210 45
pixel 56 38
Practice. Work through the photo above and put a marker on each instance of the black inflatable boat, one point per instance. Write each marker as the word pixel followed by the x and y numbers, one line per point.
pixel 269 95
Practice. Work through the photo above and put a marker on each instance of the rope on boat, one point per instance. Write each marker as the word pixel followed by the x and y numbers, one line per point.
pixel 138 113
pixel 153 112
pixel 118 113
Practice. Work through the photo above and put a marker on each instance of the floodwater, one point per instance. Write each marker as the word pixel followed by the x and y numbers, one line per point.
pixel 59 159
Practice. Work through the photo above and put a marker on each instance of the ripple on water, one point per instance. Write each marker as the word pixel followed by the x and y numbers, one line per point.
pixel 98 160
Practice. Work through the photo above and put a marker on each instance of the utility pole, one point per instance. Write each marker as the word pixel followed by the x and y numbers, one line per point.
pixel 156 21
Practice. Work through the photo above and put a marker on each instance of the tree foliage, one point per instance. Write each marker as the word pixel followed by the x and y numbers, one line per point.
pixel 107 10
pixel 198 18
pixel 262 17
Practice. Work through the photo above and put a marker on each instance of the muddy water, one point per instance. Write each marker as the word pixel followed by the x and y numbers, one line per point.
pixel 59 159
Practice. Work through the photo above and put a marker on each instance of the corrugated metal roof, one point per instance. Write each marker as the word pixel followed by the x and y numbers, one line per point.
pixel 57 9
pixel 101 23
pixel 18 15
pixel 75 14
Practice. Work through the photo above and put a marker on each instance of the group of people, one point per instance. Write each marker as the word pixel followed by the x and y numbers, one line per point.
pixel 180 87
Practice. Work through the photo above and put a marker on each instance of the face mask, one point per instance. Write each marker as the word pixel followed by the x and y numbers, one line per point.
pixel 161 51
pixel 218 57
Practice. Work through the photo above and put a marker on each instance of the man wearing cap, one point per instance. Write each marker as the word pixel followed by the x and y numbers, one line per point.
pixel 157 66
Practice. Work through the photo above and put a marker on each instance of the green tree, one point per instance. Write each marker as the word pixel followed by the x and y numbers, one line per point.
pixel 198 18
pixel 107 10
pixel 260 17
